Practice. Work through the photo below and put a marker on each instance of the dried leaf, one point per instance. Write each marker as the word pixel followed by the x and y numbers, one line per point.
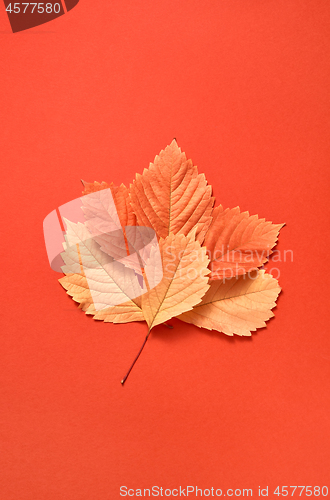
pixel 184 279
pixel 238 305
pixel 171 197
pixel 238 243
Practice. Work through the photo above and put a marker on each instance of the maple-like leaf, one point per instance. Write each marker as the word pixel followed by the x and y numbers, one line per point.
pixel 238 243
pixel 184 279
pixel 237 305
pixel 171 197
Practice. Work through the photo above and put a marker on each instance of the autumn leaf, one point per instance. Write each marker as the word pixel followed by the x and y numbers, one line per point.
pixel 237 306
pixel 238 243
pixel 171 197
pixel 203 270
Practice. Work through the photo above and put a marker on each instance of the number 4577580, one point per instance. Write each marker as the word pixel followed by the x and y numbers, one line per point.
pixel 308 491
pixel 41 8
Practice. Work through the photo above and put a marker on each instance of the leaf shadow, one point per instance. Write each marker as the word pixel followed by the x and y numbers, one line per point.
pixel 182 330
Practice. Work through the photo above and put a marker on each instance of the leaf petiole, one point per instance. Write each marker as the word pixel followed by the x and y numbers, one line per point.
pixel 138 354
pixel 135 360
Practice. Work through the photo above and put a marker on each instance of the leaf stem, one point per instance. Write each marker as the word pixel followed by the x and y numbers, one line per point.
pixel 135 360
pixel 138 354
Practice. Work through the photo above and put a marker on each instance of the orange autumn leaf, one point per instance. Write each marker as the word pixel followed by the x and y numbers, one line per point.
pixel 171 196
pixel 237 306
pixel 184 279
pixel 238 243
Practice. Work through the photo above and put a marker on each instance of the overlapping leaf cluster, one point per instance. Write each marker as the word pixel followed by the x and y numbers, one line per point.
pixel 213 280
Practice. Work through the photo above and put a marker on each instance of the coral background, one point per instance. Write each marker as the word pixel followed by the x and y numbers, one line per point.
pixel 244 87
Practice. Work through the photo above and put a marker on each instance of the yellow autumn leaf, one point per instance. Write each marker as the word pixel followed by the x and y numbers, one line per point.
pixel 237 306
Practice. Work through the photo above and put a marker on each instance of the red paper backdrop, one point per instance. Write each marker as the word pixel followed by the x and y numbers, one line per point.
pixel 244 87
